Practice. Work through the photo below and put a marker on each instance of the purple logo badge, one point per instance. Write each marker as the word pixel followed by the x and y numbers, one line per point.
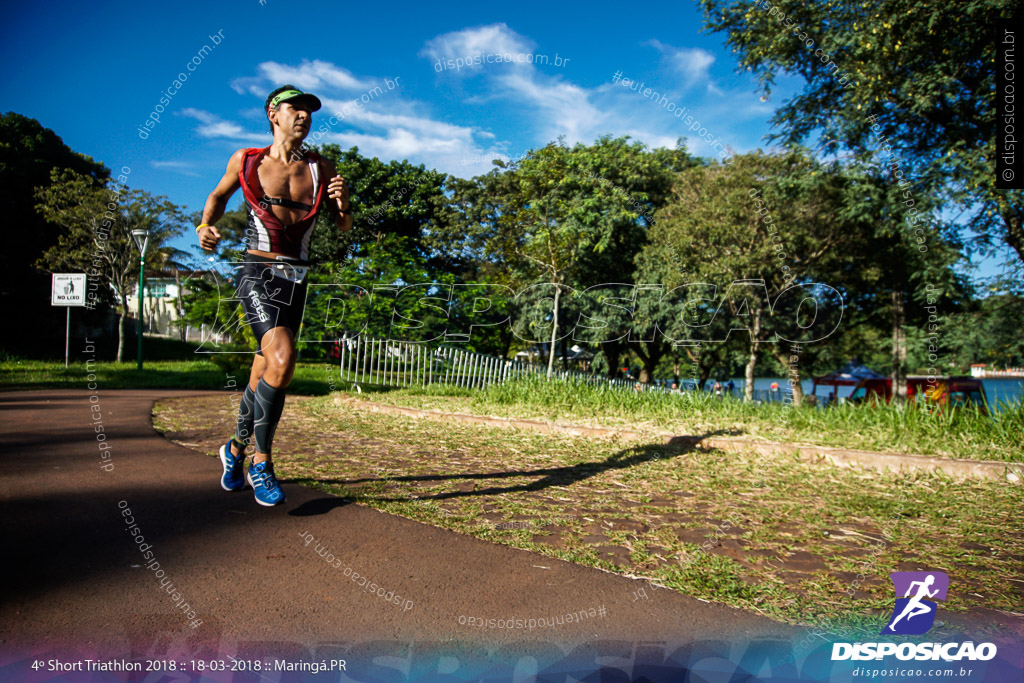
pixel 914 613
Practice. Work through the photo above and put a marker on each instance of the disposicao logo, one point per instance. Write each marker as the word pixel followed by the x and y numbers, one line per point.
pixel 914 614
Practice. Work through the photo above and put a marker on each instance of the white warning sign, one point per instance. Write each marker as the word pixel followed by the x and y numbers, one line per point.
pixel 68 289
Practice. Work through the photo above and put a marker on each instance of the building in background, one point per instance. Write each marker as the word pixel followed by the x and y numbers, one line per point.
pixel 982 370
pixel 163 305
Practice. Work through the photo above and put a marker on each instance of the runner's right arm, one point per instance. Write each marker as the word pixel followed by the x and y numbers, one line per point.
pixel 209 236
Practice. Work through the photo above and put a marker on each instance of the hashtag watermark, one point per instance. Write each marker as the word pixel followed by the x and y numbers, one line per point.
pixel 149 557
pixel 579 617
pixel 681 113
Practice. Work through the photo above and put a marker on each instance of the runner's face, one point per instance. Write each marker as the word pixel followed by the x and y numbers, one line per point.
pixel 293 119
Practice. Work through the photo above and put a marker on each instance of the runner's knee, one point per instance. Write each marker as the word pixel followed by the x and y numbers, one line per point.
pixel 279 358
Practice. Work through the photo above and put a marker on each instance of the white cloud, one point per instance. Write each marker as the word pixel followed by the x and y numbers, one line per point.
pixel 377 115
pixel 562 108
pixel 249 84
pixel 557 106
pixel 212 126
pixel 692 63
pixel 182 167
pixel 471 42
pixel 313 75
pixel 507 109
pixel 385 125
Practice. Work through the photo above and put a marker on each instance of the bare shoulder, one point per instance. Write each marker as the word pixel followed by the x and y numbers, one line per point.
pixel 235 162
pixel 229 182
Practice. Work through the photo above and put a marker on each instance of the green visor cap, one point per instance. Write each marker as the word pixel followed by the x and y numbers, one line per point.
pixel 288 95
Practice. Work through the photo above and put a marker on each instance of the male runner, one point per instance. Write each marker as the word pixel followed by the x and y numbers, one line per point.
pixel 285 188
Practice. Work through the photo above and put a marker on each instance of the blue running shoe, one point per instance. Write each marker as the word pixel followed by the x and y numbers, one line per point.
pixel 264 484
pixel 233 478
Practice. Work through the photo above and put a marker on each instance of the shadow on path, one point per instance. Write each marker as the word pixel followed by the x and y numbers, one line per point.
pixel 552 476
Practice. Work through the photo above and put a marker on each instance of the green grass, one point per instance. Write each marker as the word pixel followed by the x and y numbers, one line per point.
pixel 22 374
pixel 960 433
pixel 957 433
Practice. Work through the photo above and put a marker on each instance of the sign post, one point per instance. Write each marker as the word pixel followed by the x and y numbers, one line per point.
pixel 68 289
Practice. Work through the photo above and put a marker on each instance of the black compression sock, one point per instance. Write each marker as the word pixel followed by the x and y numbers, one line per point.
pixel 243 428
pixel 268 406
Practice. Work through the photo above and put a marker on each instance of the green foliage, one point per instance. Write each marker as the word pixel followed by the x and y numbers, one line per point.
pixel 387 292
pixel 989 332
pixel 395 198
pixel 570 217
pixel 96 222
pixel 773 221
pixel 924 71
pixel 28 154
pixel 210 300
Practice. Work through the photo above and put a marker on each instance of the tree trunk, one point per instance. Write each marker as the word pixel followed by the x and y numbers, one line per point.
pixel 705 373
pixel 755 340
pixel 793 372
pixel 899 349
pixel 650 355
pixel 554 331
pixel 506 340
pixel 798 390
pixel 748 373
pixel 612 351
pixel 644 376
pixel 181 306
pixel 122 329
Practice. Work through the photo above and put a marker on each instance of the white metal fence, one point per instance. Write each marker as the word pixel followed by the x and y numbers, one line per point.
pixel 385 362
pixel 388 363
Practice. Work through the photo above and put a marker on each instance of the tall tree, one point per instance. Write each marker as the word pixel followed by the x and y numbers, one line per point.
pixel 28 154
pixel 96 223
pixel 913 74
pixel 682 315
pixel 629 183
pixel 753 229
pixel 911 251
pixel 599 201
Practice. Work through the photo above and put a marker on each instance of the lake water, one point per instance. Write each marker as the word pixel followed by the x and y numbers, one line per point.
pixel 1007 389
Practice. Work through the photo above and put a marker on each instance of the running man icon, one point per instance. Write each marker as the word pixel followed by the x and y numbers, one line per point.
pixel 916 613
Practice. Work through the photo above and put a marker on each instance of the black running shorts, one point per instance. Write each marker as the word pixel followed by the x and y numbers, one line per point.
pixel 269 298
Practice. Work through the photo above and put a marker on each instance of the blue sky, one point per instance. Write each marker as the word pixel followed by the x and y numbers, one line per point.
pixel 95 73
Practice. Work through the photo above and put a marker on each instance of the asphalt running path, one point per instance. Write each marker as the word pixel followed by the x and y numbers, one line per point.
pixel 78 584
